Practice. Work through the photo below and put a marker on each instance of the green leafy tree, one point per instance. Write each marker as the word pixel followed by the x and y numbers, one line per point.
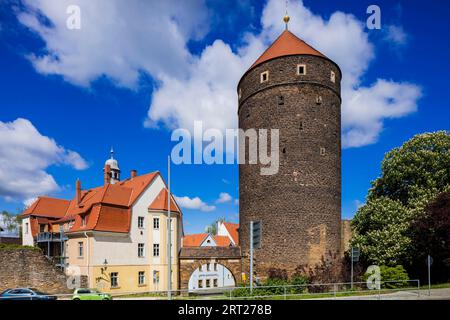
pixel 380 229
pixel 411 177
pixel 431 236
pixel 422 163
pixel 212 228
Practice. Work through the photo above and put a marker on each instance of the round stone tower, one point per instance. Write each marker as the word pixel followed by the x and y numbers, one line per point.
pixel 296 89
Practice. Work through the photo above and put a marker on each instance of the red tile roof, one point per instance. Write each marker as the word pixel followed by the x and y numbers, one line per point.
pixel 194 240
pixel 222 241
pixel 105 208
pixel 47 207
pixel 285 45
pixel 232 229
pixel 160 202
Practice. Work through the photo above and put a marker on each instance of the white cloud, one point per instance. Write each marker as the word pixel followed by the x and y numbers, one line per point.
pixel 209 91
pixel 194 203
pixel 119 40
pixel 395 34
pixel 224 197
pixel 25 154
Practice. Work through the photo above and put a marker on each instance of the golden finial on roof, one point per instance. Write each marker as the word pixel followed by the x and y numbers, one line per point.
pixel 286 16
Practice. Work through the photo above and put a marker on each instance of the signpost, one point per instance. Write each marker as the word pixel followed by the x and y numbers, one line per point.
pixel 429 263
pixel 354 258
pixel 255 242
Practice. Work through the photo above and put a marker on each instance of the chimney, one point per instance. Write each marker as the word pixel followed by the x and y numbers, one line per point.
pixel 78 191
pixel 133 174
pixel 107 171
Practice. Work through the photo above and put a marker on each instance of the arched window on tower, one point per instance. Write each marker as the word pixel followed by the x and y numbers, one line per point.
pixel 333 77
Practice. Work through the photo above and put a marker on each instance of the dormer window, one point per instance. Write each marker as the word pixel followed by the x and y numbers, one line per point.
pixel 83 221
pixel 333 77
pixel 301 69
pixel 264 76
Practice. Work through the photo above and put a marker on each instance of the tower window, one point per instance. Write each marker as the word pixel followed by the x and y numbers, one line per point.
pixel 240 94
pixel 319 100
pixel 280 100
pixel 333 77
pixel 322 151
pixel 301 126
pixel 301 69
pixel 284 150
pixel 264 76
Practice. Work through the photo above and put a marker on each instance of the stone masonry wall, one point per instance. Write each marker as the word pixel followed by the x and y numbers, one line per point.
pixel 30 268
pixel 193 258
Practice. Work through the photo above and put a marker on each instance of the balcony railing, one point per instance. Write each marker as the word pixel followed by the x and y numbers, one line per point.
pixel 50 236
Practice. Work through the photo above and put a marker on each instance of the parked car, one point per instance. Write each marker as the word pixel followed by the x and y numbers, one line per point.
pixel 25 294
pixel 90 294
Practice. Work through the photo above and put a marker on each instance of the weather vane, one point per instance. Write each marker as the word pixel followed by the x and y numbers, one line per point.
pixel 286 16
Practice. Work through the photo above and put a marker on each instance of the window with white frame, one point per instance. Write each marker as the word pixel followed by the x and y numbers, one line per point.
pixel 83 221
pixel 156 249
pixel 301 69
pixel 140 250
pixel 80 249
pixel 141 222
pixel 141 278
pixel 156 223
pixel 114 278
pixel 333 77
pixel 264 76
pixel 26 228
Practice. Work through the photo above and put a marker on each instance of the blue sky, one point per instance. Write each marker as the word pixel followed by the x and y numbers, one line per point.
pixel 133 74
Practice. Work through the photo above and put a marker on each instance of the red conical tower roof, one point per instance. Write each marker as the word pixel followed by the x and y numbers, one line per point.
pixel 285 45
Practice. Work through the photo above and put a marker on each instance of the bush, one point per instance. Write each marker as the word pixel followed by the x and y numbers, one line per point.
pixel 274 286
pixel 397 274
pixel 17 246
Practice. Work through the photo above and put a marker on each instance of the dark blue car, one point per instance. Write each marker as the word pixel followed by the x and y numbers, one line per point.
pixel 25 294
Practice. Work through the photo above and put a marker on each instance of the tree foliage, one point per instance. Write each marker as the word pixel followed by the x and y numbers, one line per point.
pixel 422 163
pixel 411 177
pixel 431 236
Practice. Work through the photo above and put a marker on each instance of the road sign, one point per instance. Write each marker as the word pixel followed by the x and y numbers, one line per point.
pixel 355 254
pixel 256 234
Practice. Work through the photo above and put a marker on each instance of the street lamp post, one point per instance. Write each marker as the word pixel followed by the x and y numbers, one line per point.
pixel 169 236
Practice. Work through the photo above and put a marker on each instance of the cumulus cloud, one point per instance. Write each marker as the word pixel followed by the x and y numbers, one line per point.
pixel 25 154
pixel 120 40
pixel 224 197
pixel 194 203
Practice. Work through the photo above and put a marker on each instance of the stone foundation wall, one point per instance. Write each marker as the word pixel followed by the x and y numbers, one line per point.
pixel 30 268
